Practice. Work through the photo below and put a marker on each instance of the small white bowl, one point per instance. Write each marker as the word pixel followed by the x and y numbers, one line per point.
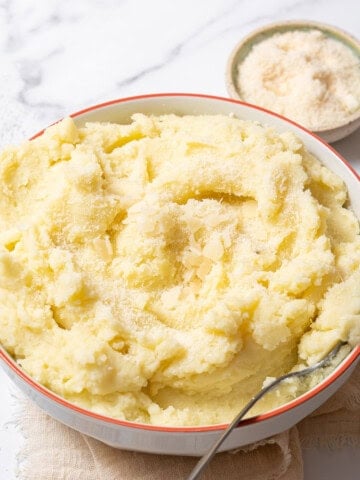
pixel 194 440
pixel 243 48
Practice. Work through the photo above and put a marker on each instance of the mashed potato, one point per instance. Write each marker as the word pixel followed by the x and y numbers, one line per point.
pixel 159 271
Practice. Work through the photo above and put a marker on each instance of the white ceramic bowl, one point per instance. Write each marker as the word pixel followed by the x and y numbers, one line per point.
pixel 194 440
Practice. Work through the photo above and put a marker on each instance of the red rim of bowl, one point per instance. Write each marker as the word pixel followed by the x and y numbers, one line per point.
pixel 346 363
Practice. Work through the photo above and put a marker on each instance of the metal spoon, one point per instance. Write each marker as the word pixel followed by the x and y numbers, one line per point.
pixel 206 458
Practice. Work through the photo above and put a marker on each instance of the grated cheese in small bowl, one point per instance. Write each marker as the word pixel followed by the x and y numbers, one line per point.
pixel 303 72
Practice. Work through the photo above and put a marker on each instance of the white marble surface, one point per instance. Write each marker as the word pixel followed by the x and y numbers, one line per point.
pixel 57 57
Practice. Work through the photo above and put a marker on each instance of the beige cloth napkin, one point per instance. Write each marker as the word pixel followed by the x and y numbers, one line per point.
pixel 55 452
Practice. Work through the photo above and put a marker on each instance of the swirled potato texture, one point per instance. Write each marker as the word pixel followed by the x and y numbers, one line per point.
pixel 160 271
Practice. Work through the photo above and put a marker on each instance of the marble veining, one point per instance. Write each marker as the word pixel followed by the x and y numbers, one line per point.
pixel 59 56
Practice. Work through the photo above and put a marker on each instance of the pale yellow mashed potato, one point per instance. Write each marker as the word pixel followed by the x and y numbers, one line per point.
pixel 160 271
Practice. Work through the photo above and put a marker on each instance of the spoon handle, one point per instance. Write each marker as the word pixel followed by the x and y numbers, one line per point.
pixel 205 459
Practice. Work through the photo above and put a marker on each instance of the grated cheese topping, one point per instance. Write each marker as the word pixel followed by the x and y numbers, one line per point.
pixel 304 75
